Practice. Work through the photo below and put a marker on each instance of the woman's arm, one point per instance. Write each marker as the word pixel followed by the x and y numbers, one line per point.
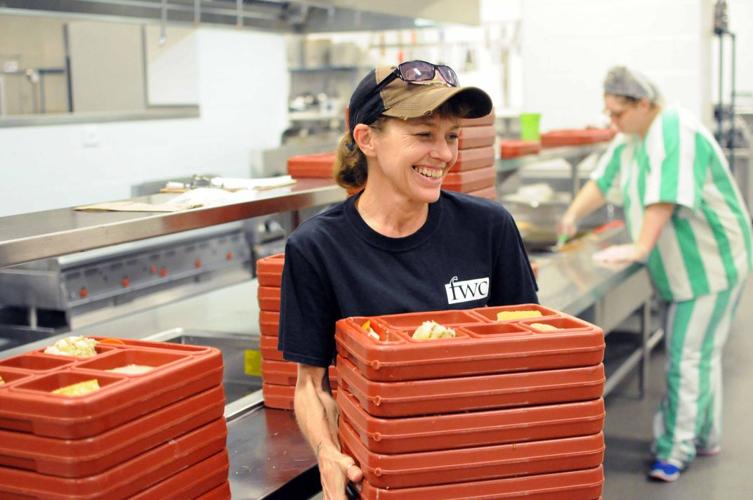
pixel 316 413
pixel 588 199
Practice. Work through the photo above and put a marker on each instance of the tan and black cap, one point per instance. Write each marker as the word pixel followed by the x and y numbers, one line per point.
pixel 401 99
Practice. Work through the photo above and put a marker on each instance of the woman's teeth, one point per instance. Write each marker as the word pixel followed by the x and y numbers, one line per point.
pixel 431 173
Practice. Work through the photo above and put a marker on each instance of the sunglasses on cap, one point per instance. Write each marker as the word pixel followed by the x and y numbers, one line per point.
pixel 420 71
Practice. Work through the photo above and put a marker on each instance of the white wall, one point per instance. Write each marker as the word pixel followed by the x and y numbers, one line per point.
pixel 243 100
pixel 741 24
pixel 173 67
pixel 568 46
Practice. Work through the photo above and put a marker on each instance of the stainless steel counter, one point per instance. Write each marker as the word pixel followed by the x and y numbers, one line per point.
pixel 39 235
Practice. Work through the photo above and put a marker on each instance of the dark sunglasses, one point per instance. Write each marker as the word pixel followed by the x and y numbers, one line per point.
pixel 420 71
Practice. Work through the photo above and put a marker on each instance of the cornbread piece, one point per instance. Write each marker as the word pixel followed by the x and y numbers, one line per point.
pixel 78 389
pixel 2 381
pixel 370 331
pixel 431 330
pixel 79 347
pixel 132 369
pixel 508 315
pixel 543 327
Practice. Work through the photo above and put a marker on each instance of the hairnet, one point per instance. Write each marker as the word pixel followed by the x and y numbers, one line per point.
pixel 626 82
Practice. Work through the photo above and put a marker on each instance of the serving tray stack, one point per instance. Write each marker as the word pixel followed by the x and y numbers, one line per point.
pixel 474 171
pixel 159 434
pixel 278 376
pixel 503 408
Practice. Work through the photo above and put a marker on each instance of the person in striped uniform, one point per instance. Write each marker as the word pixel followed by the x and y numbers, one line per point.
pixel 689 225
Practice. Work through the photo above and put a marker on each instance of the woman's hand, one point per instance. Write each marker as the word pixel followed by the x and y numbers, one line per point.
pixel 620 254
pixel 335 470
pixel 567 225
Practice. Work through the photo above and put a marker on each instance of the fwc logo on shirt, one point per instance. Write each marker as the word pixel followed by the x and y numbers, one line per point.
pixel 466 291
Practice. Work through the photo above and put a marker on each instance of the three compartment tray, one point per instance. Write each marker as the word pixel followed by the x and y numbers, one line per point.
pixel 479 428
pixel 584 484
pixel 473 159
pixel 476 136
pixel 407 470
pixel 269 298
pixel 286 373
pixel 269 270
pixel 206 479
pixel 28 405
pixel 483 345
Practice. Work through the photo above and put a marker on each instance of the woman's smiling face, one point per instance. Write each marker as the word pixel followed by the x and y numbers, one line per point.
pixel 413 156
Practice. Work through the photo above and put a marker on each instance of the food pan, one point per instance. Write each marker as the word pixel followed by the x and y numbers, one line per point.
pixel 473 159
pixel 125 479
pixel 477 428
pixel 269 270
pixel 476 137
pixel 269 298
pixel 585 484
pixel 480 347
pixel 481 392
pixel 286 373
pixel 197 481
pixel 405 470
pixel 319 165
pixel 269 323
pixel 89 456
pixel 470 180
pixel 28 405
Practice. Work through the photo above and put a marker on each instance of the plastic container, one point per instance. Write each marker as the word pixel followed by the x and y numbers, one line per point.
pixel 286 373
pixel 481 346
pixel 269 298
pixel 269 270
pixel 268 348
pixel 470 180
pixel 221 492
pixel 125 479
pixel 529 126
pixel 574 137
pixel 281 396
pixel 475 122
pixel 196 481
pixel 482 392
pixel 319 165
pixel 269 323
pixel 479 463
pixel 28 405
pixel 489 193
pixel 476 137
pixel 89 456
pixel 464 430
pixel 513 149
pixel 586 484
pixel 473 159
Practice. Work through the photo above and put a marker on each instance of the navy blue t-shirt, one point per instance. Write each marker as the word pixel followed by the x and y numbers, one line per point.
pixel 467 254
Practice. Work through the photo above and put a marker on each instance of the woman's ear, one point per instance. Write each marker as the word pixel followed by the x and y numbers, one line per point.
pixel 363 135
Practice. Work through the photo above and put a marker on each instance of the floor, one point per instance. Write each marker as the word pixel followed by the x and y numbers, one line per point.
pixel 628 429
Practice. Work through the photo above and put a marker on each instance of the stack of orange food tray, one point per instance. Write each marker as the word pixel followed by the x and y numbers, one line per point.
pixel 514 148
pixel 278 376
pixel 474 171
pixel 574 137
pixel 505 408
pixel 317 165
pixel 156 434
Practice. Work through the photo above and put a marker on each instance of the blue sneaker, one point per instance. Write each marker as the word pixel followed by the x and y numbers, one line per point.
pixel 664 471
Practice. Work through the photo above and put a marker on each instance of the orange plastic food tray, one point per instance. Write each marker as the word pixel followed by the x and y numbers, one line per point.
pixel 313 165
pixel 516 148
pixel 269 270
pixel 571 137
pixel 90 456
pixel 281 396
pixel 478 428
pixel 475 122
pixel 489 193
pixel 481 392
pixel 476 137
pixel 286 373
pixel 482 345
pixel 269 298
pixel 470 180
pixel 473 159
pixel 586 484
pixel 125 479
pixel 221 492
pixel 28 405
pixel 194 482
pixel 405 470
pixel 269 323
pixel 268 348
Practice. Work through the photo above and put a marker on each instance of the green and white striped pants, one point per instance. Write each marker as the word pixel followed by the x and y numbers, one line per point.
pixel 690 415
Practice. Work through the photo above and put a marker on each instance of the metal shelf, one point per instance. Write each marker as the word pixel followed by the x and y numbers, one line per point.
pixel 40 235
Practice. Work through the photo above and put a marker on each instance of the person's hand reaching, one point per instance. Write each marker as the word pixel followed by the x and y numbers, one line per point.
pixel 567 226
pixel 335 470
pixel 620 254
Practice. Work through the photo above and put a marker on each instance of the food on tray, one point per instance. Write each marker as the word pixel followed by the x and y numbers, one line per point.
pixel 508 315
pixel 78 346
pixel 543 327
pixel 108 340
pixel 431 330
pixel 2 381
pixel 370 331
pixel 132 369
pixel 78 389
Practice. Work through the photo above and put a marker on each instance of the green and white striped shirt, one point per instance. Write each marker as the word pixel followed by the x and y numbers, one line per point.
pixel 706 246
